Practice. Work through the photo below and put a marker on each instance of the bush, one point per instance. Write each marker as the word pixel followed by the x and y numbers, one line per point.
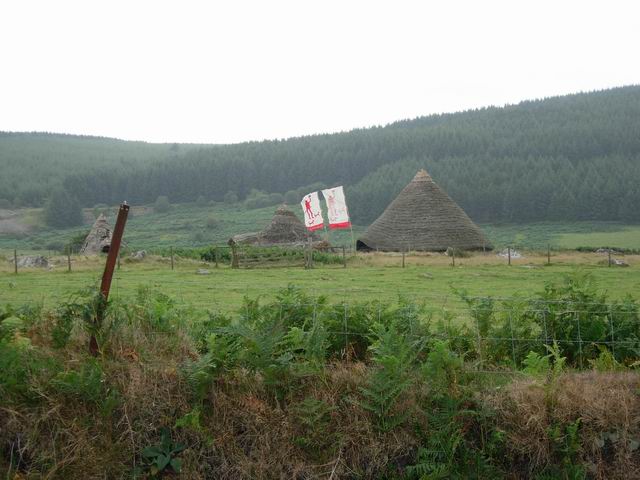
pixel 275 198
pixel 292 197
pixel 75 243
pixel 212 223
pixel 162 204
pixel 230 197
pixel 199 237
pixel 55 246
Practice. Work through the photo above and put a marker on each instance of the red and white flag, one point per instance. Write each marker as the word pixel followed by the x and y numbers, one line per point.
pixel 312 212
pixel 337 210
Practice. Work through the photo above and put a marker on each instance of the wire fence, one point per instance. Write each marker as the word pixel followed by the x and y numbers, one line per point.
pixel 495 339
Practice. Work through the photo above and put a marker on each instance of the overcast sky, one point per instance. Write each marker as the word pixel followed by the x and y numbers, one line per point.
pixel 221 72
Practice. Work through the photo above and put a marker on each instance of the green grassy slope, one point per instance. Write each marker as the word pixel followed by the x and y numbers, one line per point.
pixel 189 225
pixel 431 281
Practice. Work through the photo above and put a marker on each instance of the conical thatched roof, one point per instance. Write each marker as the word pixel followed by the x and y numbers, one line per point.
pixel 285 229
pixel 99 238
pixel 422 217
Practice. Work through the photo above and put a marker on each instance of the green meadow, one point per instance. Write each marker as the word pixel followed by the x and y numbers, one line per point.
pixel 367 277
pixel 190 225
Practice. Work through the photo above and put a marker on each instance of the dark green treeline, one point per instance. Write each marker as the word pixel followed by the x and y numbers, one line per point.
pixel 575 157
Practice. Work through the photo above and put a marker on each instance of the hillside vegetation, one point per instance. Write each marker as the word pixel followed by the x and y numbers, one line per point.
pixel 575 157
pixel 302 387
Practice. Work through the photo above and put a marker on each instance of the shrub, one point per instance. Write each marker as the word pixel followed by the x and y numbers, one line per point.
pixel 230 197
pixel 75 243
pixel 162 204
pixel 292 197
pixel 201 201
pixel 393 355
pixel 212 223
pixel 55 246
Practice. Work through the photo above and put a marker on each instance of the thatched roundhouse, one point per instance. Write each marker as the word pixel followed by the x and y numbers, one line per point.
pixel 99 238
pixel 285 229
pixel 423 218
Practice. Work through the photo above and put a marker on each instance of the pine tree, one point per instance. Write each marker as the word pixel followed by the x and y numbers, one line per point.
pixel 62 210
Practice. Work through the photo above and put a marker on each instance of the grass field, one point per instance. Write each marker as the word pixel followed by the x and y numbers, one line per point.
pixel 189 225
pixel 428 278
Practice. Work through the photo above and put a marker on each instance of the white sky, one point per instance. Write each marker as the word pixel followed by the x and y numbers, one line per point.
pixel 220 72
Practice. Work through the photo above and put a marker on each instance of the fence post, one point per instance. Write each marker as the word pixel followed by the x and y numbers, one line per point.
pixel 509 254
pixel 309 263
pixel 453 257
pixel 609 255
pixel 548 254
pixel 403 250
pixel 344 257
pixel 107 276
pixel 234 254
pixel 171 251
pixel 215 255
pixel 69 261
pixel 15 261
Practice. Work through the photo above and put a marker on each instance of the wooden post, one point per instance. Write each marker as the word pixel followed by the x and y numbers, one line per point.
pixel 234 254
pixel 107 276
pixel 344 257
pixel 171 251
pixel 403 250
pixel 15 261
pixel 215 255
pixel 310 252
pixel 69 262
pixel 548 254
pixel 453 257
pixel 609 254
pixel 509 254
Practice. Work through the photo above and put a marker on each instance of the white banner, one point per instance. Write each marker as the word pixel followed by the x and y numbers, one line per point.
pixel 312 212
pixel 337 211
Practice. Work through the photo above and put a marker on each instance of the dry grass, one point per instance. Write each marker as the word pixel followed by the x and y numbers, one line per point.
pixel 246 431
pixel 604 403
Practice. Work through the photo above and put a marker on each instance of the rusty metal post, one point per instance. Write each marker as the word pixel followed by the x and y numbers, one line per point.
pixel 548 254
pixel 68 262
pixel 344 257
pixel 453 257
pixel 171 257
pixel 107 276
pixel 403 253
pixel 15 261
pixel 509 254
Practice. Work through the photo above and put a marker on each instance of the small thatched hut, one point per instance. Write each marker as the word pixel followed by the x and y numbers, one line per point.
pixel 99 238
pixel 424 218
pixel 285 229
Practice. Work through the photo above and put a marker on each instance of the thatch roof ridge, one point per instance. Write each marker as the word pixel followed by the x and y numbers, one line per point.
pixel 423 217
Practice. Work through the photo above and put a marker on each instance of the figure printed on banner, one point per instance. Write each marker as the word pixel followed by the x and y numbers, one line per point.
pixel 312 212
pixel 337 210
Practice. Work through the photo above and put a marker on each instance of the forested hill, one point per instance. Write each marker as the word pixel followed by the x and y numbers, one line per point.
pixel 564 158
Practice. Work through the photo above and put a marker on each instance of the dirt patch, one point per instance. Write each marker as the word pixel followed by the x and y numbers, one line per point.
pixel 10 223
